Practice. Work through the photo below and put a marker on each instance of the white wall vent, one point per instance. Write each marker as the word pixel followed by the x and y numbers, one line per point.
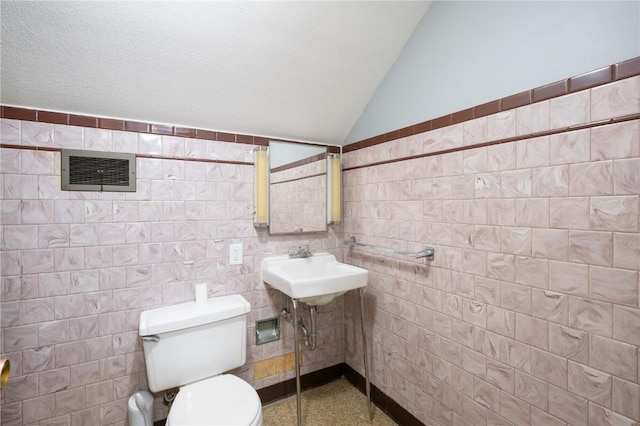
pixel 98 171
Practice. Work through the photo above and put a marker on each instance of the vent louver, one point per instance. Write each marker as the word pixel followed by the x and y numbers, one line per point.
pixel 98 171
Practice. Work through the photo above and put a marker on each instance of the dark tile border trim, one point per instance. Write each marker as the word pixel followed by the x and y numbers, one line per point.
pixel 615 72
pixel 501 141
pixel 40 116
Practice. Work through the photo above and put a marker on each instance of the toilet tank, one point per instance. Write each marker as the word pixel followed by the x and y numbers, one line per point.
pixel 191 341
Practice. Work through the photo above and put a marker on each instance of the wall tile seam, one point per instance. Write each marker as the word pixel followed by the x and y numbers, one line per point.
pixel 542 351
pixel 441 398
pixel 520 138
pixel 569 297
pixel 612 304
pixel 593 196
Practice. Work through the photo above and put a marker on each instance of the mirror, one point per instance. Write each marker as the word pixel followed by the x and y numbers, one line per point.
pixel 297 188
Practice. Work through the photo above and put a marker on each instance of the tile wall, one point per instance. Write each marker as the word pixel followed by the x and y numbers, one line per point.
pixel 530 312
pixel 79 267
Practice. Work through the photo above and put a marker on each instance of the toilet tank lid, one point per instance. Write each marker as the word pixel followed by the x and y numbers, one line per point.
pixel 191 314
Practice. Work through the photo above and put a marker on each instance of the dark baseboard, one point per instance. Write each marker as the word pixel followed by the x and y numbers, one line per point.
pixel 386 404
pixel 318 378
pixel 307 381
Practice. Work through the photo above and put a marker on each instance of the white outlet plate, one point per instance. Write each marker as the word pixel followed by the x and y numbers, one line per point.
pixel 235 254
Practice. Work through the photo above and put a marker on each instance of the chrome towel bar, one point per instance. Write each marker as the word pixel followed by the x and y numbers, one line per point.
pixel 428 253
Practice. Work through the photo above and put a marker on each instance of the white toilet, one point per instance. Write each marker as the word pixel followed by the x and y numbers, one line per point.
pixel 190 345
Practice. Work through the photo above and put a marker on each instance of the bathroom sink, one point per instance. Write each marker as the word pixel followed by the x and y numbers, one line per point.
pixel 315 280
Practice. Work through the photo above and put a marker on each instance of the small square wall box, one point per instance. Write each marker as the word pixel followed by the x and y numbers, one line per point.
pixel 267 330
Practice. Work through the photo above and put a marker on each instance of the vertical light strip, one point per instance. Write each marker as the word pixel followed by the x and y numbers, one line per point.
pixel 334 189
pixel 261 196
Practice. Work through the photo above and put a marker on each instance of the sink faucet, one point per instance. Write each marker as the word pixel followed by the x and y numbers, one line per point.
pixel 299 252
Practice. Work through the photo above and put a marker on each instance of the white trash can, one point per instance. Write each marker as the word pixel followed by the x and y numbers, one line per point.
pixel 141 411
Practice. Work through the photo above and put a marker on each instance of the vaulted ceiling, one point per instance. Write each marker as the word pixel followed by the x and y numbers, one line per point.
pixel 293 70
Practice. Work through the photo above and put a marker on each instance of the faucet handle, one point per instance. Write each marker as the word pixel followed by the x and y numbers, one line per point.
pixel 293 251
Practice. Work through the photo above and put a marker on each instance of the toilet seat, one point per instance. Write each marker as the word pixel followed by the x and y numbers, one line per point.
pixel 220 400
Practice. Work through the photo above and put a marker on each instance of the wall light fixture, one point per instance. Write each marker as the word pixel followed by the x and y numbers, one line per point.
pixel 261 195
pixel 334 189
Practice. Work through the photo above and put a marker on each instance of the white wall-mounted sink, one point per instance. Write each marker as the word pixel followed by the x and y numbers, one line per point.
pixel 315 280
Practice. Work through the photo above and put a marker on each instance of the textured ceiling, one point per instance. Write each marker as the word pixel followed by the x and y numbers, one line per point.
pixel 293 70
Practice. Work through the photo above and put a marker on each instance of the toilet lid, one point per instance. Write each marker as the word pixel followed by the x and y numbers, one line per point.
pixel 220 400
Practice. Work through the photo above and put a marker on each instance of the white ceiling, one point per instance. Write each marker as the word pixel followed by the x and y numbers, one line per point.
pixel 293 70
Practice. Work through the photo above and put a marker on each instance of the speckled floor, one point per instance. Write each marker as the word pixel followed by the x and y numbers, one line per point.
pixel 336 403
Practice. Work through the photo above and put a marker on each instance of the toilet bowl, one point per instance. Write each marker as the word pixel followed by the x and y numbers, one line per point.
pixel 220 400
pixel 190 346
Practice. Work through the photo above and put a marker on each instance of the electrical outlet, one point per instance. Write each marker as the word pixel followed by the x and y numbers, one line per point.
pixel 235 254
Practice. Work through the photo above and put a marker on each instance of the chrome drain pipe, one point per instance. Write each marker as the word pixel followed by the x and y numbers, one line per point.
pixel 309 336
pixel 310 339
